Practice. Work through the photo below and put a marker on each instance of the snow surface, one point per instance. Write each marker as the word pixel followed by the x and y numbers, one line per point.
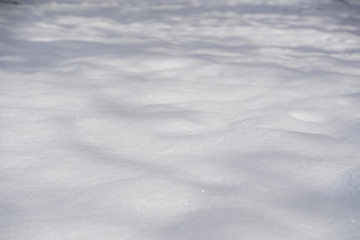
pixel 180 120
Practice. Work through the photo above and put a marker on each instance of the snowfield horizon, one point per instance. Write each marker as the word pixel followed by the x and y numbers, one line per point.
pixel 179 119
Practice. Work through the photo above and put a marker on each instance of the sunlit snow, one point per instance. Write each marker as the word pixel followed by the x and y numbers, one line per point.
pixel 180 120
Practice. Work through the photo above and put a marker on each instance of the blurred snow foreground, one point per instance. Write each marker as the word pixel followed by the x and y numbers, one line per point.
pixel 180 120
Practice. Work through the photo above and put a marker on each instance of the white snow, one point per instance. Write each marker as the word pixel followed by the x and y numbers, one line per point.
pixel 179 119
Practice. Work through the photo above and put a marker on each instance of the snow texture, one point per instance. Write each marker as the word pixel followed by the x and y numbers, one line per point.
pixel 180 119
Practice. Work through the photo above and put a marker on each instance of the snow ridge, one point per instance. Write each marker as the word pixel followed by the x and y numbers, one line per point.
pixel 180 120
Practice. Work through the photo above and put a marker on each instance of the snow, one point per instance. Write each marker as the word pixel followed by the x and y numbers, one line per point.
pixel 172 120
